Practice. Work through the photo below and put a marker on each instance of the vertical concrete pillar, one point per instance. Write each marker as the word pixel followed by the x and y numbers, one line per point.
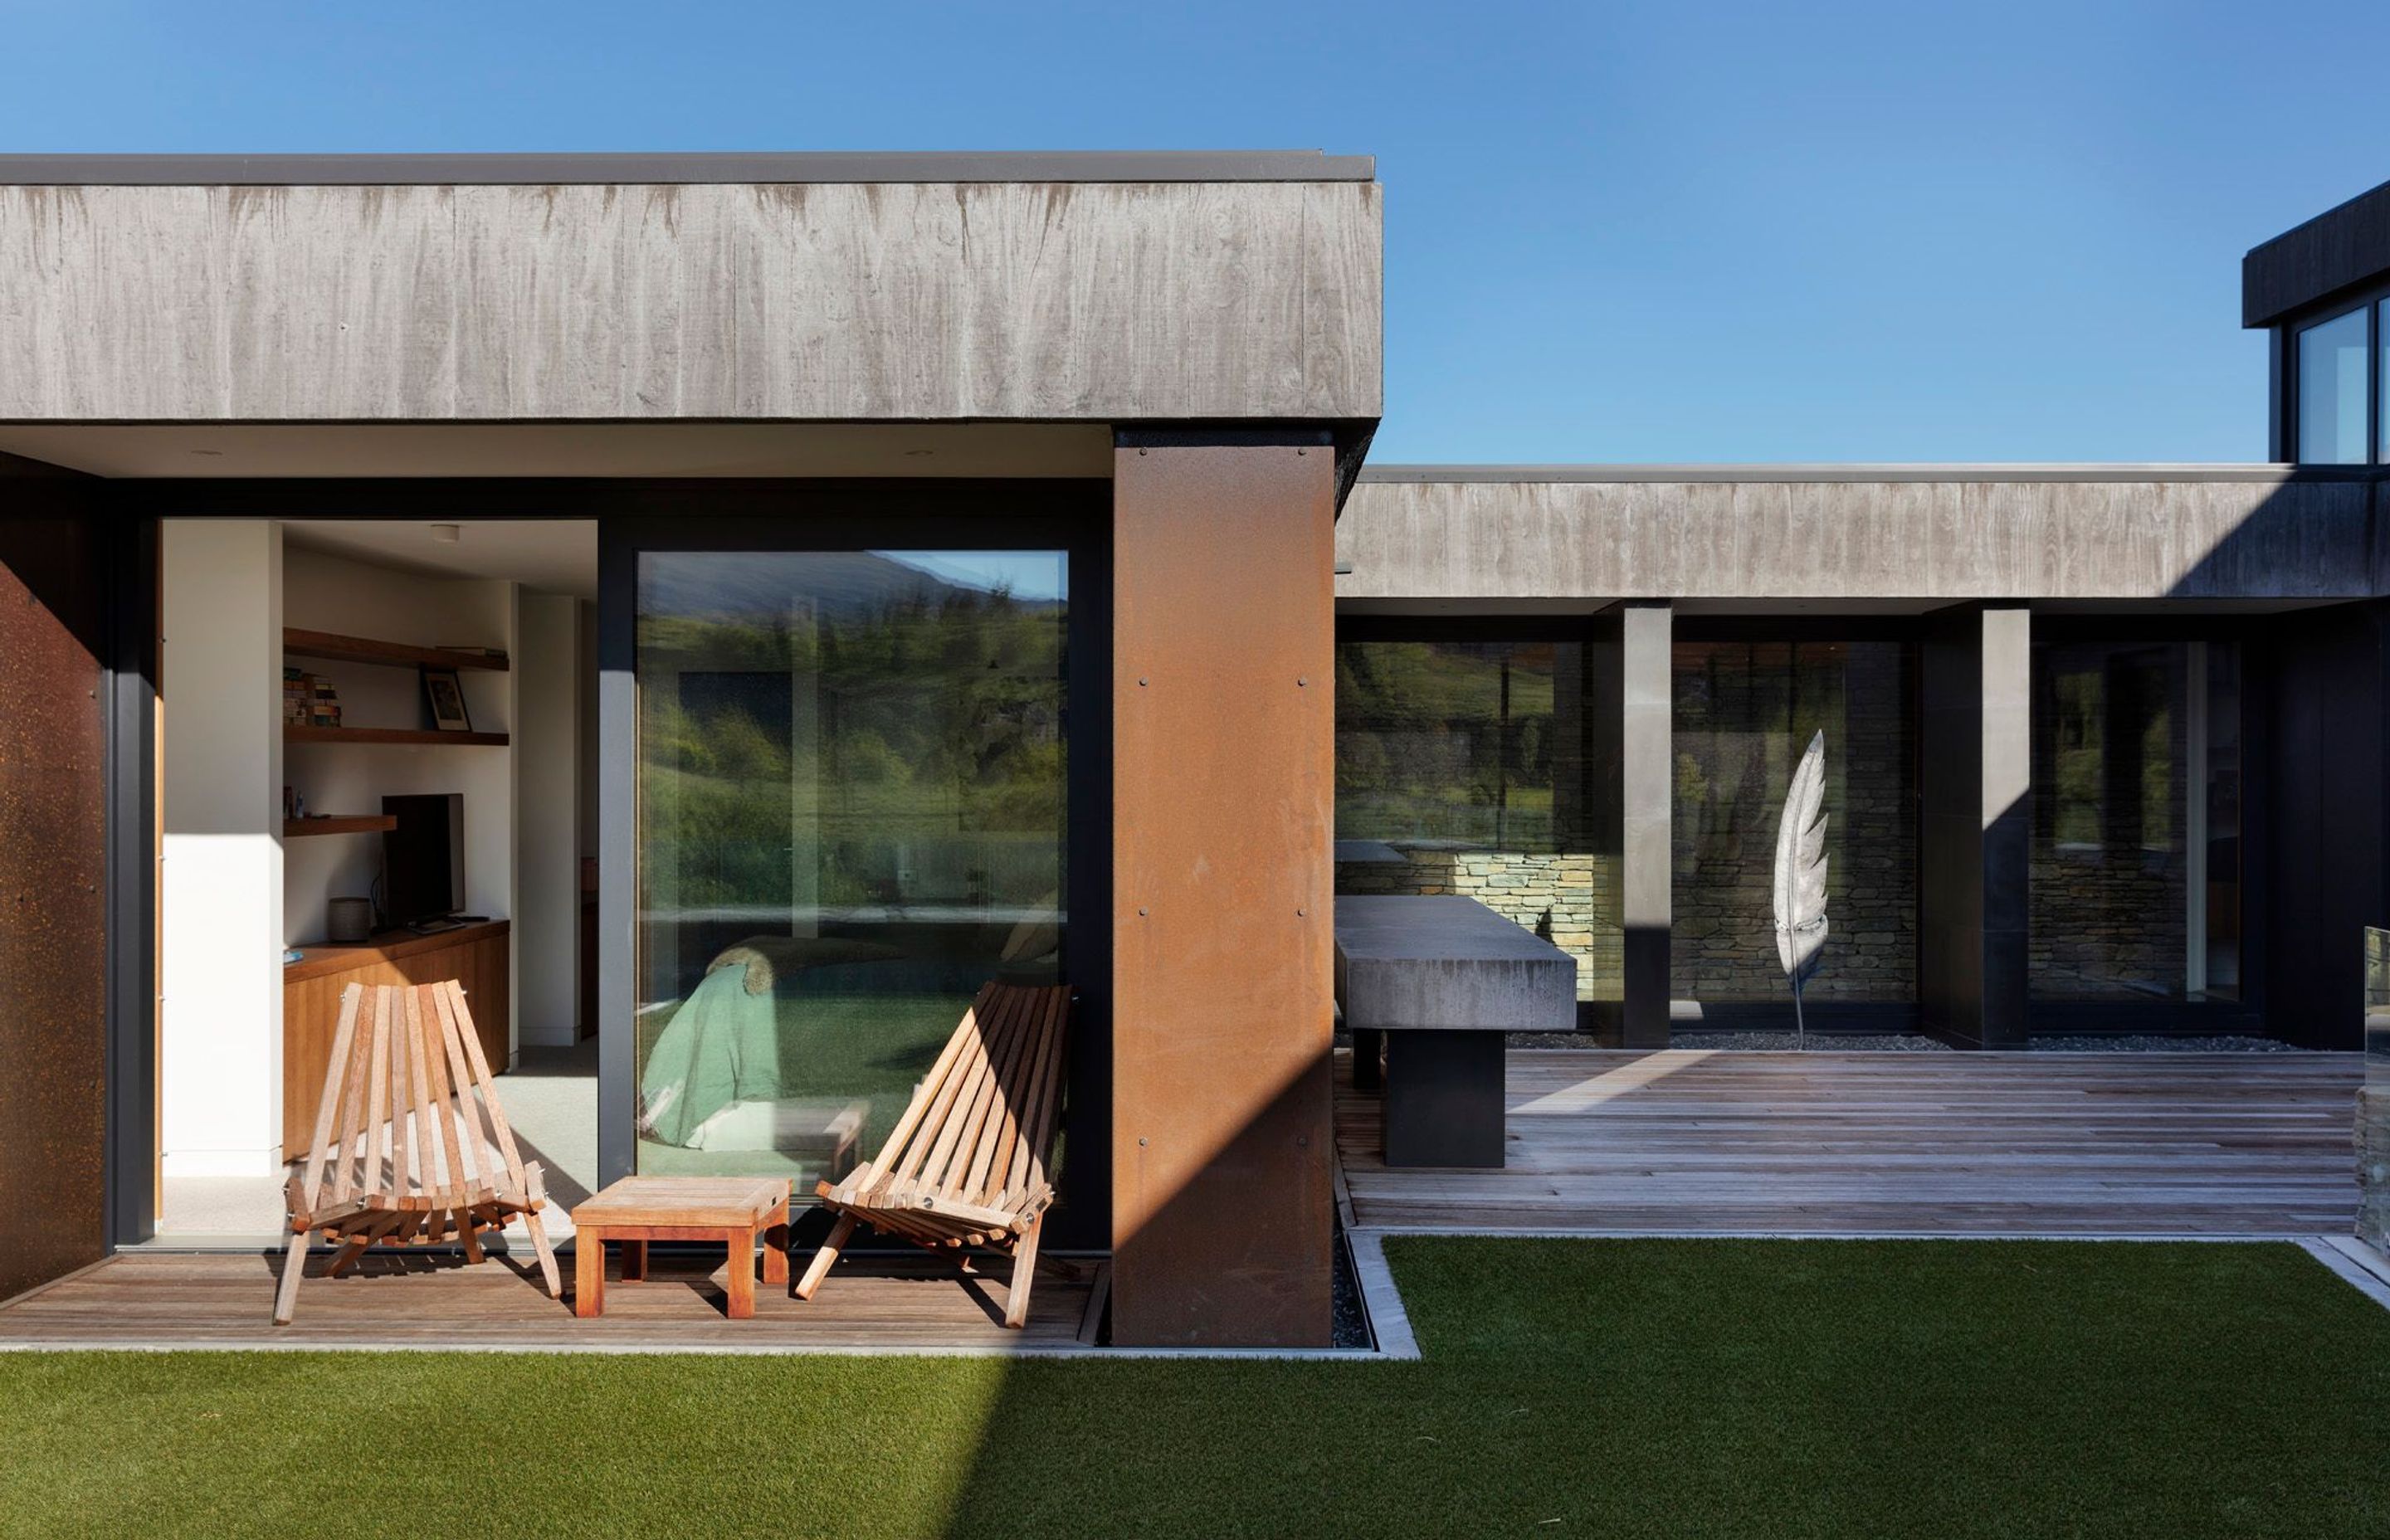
pixel 1974 786
pixel 1223 788
pixel 1646 808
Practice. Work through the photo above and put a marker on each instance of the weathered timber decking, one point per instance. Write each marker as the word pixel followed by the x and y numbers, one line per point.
pixel 1688 1141
pixel 153 1299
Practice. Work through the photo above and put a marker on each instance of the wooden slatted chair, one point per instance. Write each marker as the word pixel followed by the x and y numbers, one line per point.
pixel 406 1152
pixel 966 1165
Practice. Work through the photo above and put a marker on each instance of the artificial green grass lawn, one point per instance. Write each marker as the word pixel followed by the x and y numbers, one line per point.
pixel 1619 1388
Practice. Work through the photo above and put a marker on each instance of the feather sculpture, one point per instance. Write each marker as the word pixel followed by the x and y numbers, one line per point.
pixel 1801 877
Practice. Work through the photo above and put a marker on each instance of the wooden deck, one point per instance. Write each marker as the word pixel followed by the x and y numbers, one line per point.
pixel 153 1299
pixel 1695 1142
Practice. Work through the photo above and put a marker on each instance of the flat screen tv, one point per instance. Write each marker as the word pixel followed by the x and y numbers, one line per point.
pixel 423 857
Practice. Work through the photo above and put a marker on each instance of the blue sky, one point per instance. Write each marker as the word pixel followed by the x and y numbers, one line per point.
pixel 1613 232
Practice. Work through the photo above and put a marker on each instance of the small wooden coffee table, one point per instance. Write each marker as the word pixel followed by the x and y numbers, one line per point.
pixel 639 1209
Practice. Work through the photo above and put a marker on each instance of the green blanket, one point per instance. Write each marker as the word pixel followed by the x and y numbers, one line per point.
pixel 723 1044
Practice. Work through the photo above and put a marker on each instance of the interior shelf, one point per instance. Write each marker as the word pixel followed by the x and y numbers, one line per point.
pixel 293 733
pixel 359 649
pixel 338 823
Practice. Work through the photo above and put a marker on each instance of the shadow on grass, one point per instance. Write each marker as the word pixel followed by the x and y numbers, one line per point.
pixel 1621 1388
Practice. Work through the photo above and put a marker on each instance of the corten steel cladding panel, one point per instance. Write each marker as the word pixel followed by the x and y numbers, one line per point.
pixel 53 890
pixel 1223 733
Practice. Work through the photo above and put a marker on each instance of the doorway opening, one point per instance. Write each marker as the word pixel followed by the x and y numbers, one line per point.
pixel 377 765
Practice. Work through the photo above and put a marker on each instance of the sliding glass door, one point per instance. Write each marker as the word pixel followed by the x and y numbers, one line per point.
pixel 1745 708
pixel 852 800
pixel 2137 877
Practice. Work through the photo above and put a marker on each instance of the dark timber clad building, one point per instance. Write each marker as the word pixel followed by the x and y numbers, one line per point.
pixel 1086 433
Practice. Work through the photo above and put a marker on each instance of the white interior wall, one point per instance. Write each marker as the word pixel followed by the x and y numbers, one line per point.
pixel 327 592
pixel 220 880
pixel 547 838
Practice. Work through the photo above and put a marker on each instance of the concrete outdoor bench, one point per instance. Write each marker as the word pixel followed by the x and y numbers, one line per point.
pixel 1437 980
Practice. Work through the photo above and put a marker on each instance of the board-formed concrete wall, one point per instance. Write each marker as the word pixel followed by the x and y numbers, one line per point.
pixel 904 302
pixel 1414 535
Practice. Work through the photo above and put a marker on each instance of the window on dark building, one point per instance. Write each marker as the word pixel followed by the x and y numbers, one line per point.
pixel 2137 790
pixel 2335 366
pixel 1743 716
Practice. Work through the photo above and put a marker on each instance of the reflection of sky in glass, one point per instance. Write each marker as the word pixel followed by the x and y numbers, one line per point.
pixel 1024 574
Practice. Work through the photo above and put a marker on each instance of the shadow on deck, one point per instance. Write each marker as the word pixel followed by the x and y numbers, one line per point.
pixel 432 1300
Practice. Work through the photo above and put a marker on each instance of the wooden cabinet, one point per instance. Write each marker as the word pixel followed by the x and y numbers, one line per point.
pixel 478 956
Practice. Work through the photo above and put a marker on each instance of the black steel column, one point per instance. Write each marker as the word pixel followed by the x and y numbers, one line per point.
pixel 1974 843
pixel 618 770
pixel 131 879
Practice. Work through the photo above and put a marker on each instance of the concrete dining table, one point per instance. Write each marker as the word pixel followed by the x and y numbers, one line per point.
pixel 1433 983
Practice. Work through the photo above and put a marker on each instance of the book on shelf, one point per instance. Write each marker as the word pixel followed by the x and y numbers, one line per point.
pixel 309 700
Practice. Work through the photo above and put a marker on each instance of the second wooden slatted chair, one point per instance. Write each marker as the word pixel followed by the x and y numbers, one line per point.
pixel 966 1163
pixel 411 1147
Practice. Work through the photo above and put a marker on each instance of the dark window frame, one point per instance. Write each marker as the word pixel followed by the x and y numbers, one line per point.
pixel 1556 630
pixel 2286 367
pixel 1071 516
pixel 708 513
pixel 1830 1015
pixel 2186 1018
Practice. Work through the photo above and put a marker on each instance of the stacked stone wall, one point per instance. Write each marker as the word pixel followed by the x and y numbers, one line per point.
pixel 1570 899
pixel 2108 917
pixel 2108 923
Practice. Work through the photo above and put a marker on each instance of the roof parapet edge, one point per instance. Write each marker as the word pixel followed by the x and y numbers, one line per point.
pixel 1496 474
pixel 731 167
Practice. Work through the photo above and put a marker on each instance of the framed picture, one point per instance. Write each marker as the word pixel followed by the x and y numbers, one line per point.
pixel 445 694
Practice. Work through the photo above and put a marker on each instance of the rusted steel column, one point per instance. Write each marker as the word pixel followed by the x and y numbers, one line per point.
pixel 1224 720
pixel 53 887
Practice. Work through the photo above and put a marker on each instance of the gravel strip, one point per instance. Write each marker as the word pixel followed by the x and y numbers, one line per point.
pixel 1854 1042
pixel 1750 1042
pixel 1352 1326
pixel 2162 1044
pixel 1818 1041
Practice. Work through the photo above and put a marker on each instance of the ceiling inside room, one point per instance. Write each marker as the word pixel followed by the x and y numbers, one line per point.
pixel 553 555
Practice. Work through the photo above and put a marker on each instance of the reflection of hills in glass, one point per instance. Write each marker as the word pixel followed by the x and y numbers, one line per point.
pixel 862 749
pixel 899 732
pixel 742 587
pixel 1451 741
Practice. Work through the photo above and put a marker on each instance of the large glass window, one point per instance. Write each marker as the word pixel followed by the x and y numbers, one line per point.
pixel 1469 767
pixel 1459 743
pixel 2334 370
pixel 2138 806
pixel 1744 713
pixel 851 815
